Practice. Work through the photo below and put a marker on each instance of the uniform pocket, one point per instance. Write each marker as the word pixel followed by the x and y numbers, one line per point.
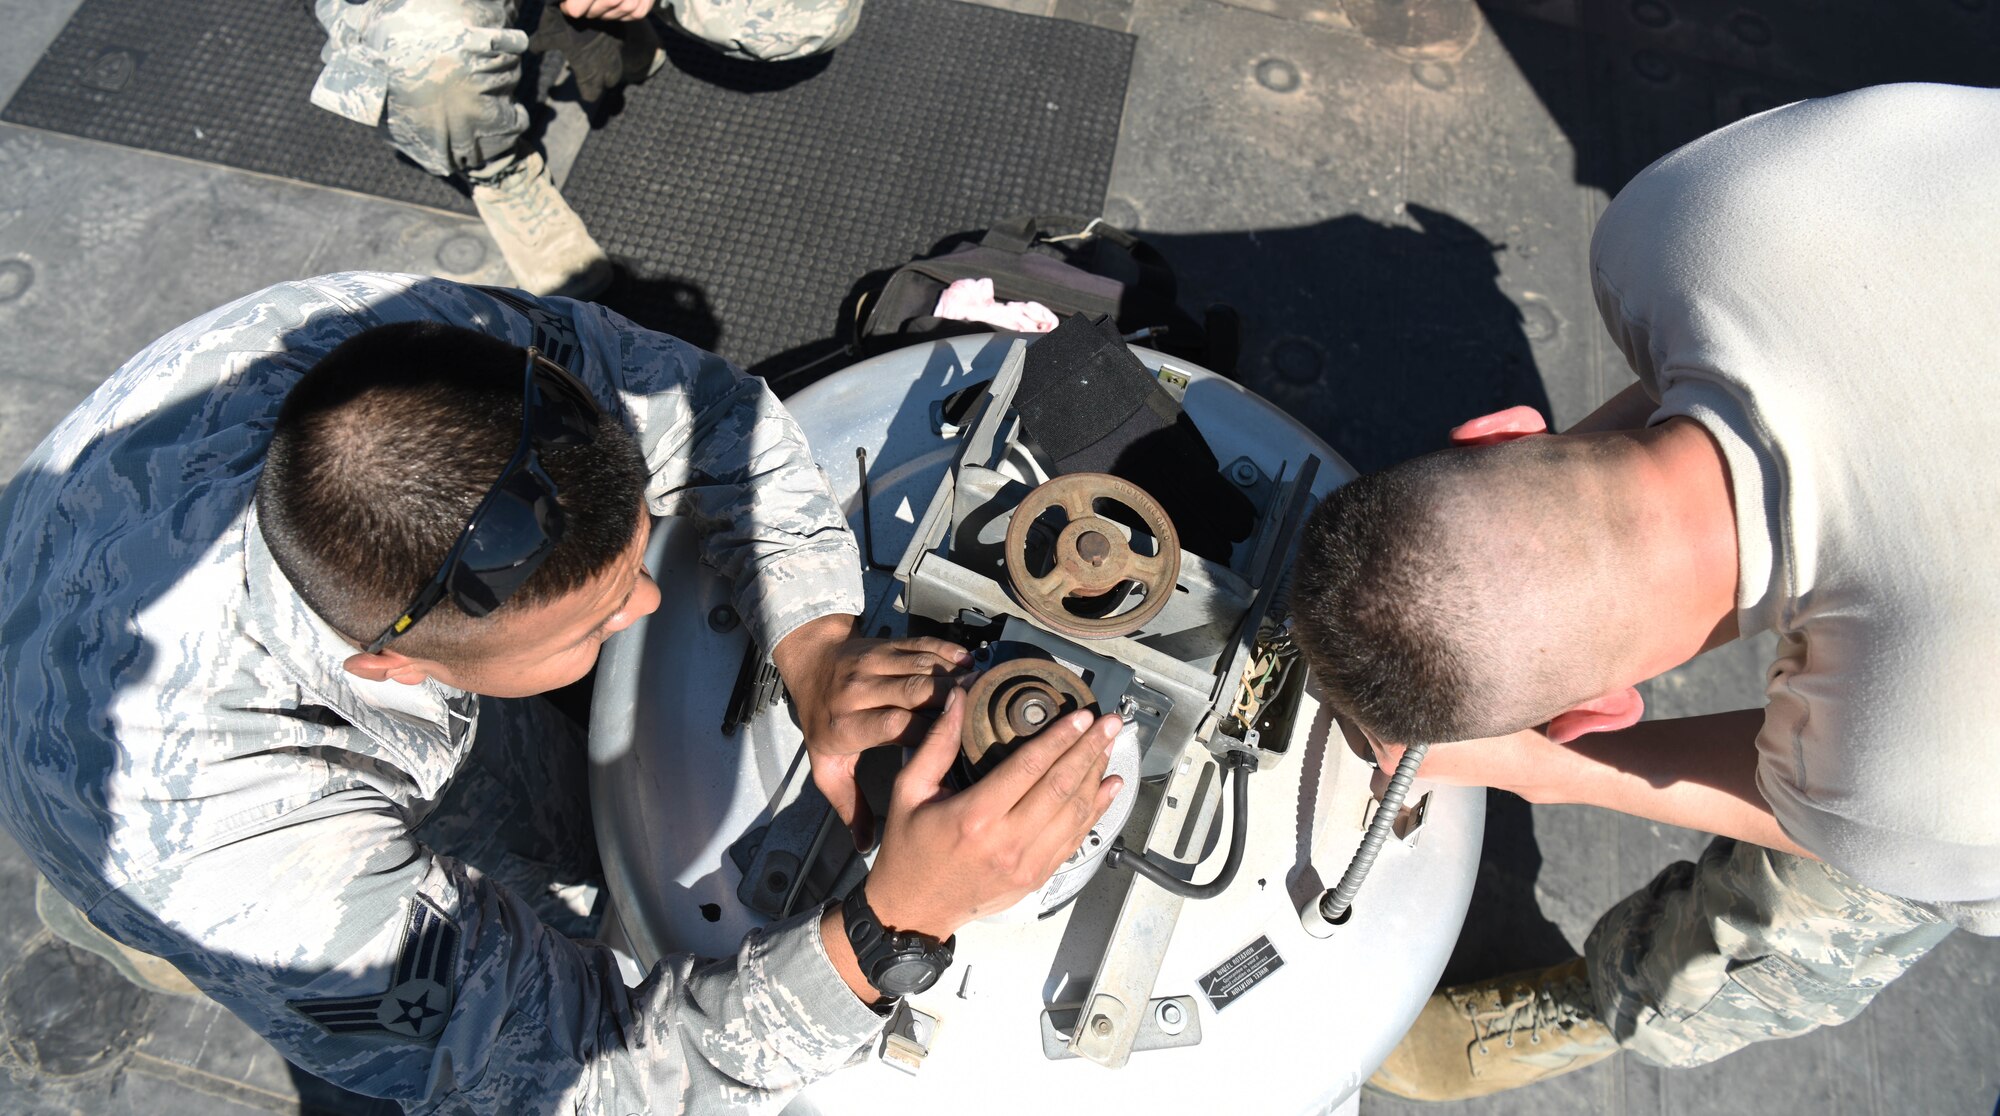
pixel 1795 998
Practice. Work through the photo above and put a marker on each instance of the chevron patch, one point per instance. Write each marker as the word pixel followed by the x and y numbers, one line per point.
pixel 420 990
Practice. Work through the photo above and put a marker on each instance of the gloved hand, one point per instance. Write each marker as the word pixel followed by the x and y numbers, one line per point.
pixel 604 49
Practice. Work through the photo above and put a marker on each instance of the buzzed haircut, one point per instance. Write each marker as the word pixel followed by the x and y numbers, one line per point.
pixel 1367 611
pixel 381 453
pixel 1452 596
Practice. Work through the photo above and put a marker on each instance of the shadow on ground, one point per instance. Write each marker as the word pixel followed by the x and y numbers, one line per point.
pixel 1629 82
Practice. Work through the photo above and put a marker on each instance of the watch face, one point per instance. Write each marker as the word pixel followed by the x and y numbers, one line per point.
pixel 905 976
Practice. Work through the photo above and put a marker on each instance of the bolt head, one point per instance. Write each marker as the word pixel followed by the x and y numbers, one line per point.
pixel 1093 547
pixel 1101 1025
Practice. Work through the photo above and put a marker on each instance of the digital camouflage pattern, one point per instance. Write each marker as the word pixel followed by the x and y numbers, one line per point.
pixel 188 763
pixel 1749 944
pixel 441 76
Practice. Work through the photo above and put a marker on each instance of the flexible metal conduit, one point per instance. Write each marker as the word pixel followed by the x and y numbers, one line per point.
pixel 1239 766
pixel 1335 902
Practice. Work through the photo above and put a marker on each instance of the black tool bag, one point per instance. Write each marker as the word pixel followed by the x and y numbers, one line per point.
pixel 1071 265
pixel 1087 405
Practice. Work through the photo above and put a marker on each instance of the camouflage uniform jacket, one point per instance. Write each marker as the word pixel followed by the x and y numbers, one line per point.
pixel 187 761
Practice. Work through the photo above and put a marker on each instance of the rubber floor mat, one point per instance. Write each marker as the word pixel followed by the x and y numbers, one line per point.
pixel 771 189
pixel 220 81
pixel 743 200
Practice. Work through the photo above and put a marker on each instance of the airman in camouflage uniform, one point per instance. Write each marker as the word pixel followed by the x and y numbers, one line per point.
pixel 441 78
pixel 1805 297
pixel 186 760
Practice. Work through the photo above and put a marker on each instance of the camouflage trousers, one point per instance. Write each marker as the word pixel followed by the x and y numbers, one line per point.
pixel 442 77
pixel 1746 945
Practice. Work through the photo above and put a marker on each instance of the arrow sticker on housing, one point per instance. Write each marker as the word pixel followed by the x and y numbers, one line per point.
pixel 1245 969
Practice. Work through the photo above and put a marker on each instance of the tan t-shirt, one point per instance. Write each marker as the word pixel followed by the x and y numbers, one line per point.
pixel 1819 287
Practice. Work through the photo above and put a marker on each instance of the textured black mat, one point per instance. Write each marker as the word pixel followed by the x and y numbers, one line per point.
pixel 772 188
pixel 744 199
pixel 221 81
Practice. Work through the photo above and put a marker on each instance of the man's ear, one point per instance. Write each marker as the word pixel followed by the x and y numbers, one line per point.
pixel 1615 710
pixel 1500 426
pixel 388 666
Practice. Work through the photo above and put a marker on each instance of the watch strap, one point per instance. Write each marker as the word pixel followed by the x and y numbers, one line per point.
pixel 879 949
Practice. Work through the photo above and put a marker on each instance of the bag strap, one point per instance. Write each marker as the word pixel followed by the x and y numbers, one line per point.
pixel 1018 234
pixel 1155 279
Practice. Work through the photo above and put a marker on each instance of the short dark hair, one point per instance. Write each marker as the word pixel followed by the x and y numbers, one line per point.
pixel 381 453
pixel 1462 594
pixel 1367 610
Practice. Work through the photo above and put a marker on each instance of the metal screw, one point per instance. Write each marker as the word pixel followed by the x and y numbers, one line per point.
pixel 1102 1025
pixel 1244 472
pixel 1093 547
pixel 1171 1018
pixel 721 618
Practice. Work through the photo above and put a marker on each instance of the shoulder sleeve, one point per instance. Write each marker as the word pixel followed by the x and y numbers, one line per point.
pixel 724 451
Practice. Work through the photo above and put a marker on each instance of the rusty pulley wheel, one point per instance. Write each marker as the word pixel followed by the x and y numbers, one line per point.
pixel 1017 699
pixel 1092 566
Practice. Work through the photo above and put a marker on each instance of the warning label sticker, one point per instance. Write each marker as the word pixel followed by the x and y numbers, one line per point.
pixel 1242 972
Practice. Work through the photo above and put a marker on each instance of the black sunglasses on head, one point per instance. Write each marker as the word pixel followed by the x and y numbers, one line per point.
pixel 518 522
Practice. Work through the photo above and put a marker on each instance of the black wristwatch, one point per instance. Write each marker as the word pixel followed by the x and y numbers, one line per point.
pixel 897 962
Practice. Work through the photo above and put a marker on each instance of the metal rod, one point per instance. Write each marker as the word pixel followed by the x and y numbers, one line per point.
pixel 867 515
pixel 811 858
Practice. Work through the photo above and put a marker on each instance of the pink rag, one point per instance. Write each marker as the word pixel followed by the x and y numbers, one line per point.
pixel 971 300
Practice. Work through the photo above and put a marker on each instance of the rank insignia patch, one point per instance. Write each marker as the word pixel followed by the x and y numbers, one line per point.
pixel 420 992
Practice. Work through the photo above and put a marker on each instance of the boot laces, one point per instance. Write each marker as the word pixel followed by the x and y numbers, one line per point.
pixel 524 197
pixel 1534 1010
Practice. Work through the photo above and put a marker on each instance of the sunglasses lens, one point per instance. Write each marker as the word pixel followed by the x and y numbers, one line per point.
pixel 518 523
pixel 512 537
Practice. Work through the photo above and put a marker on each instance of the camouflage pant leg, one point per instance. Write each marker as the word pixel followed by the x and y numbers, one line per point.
pixel 452 67
pixel 519 812
pixel 1747 945
pixel 767 30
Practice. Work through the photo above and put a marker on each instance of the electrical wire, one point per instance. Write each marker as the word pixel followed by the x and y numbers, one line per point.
pixel 1333 905
pixel 1239 765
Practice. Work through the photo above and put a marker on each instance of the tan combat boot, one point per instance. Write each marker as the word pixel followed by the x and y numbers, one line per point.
pixel 143 969
pixel 541 237
pixel 1497 1035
